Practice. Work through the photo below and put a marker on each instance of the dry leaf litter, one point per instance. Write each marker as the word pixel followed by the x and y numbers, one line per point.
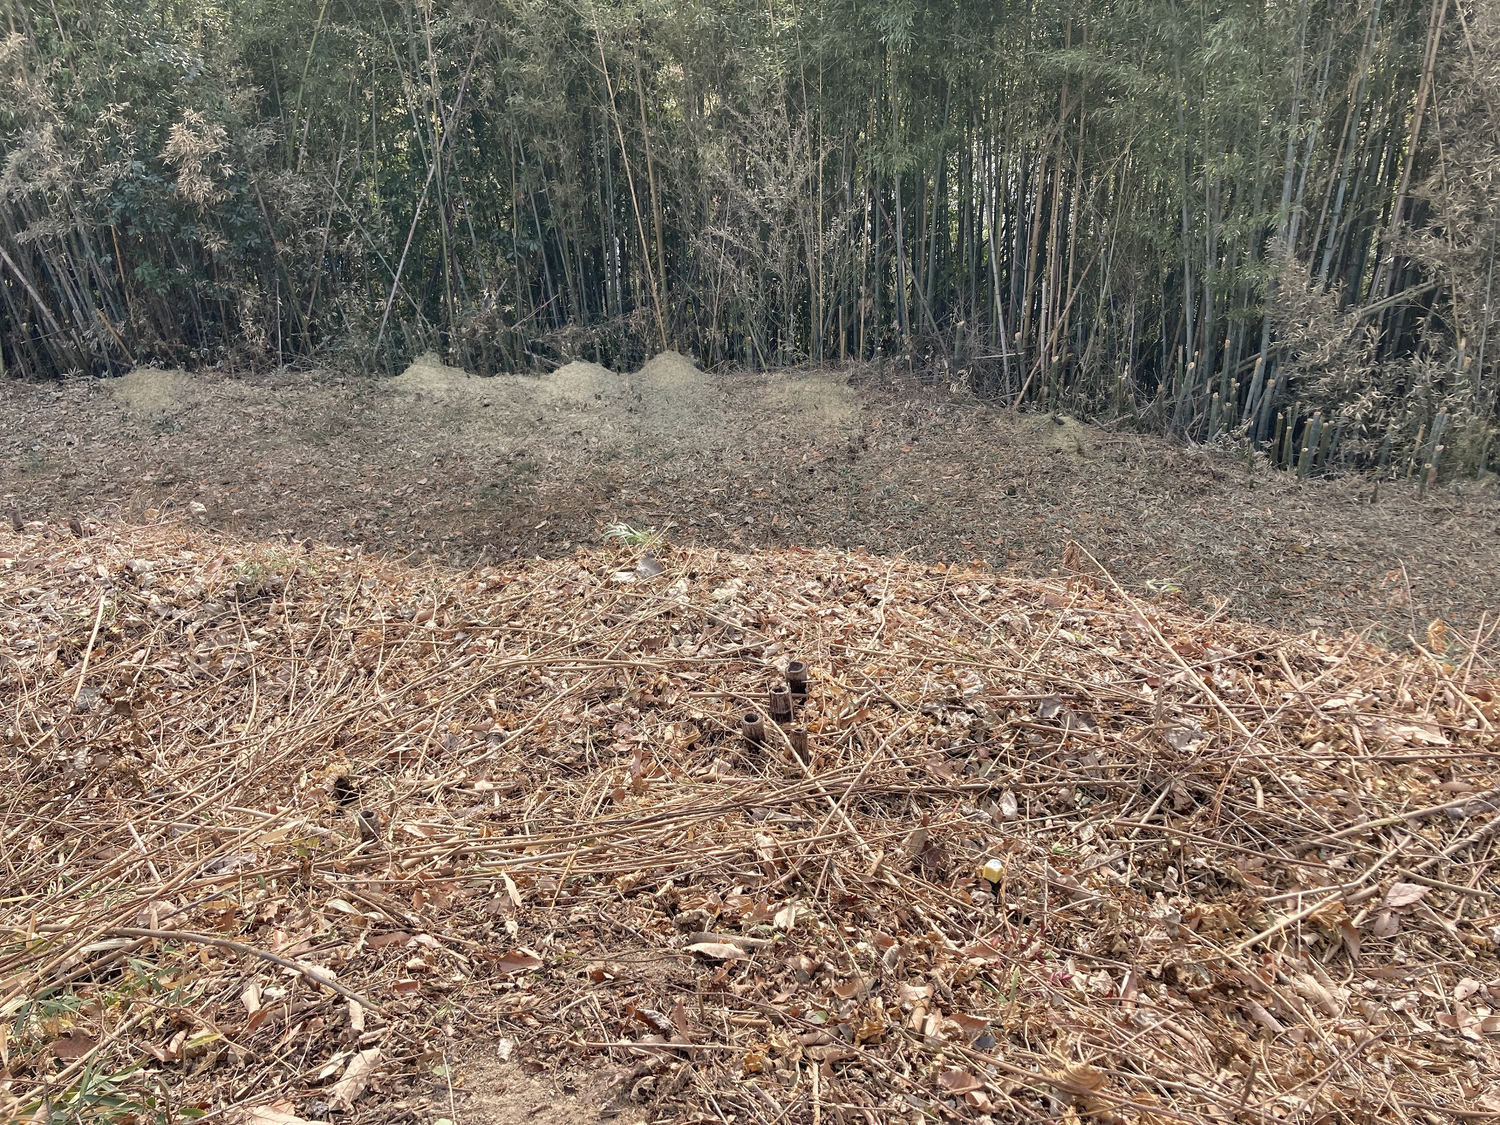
pixel 294 834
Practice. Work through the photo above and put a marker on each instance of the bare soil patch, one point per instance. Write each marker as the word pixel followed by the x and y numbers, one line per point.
pixel 512 1093
pixel 441 464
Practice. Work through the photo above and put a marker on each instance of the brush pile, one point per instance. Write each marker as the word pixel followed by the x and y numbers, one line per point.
pixel 293 833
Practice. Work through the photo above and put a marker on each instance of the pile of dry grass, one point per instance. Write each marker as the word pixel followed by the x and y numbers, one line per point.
pixel 1228 875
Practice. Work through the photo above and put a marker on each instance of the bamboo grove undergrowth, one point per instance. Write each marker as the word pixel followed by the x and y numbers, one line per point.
pixel 1228 218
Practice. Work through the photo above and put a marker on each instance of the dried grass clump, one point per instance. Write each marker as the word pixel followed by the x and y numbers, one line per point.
pixel 282 822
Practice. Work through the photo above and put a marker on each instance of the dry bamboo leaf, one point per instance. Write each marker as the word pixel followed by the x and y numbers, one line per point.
pixel 1309 988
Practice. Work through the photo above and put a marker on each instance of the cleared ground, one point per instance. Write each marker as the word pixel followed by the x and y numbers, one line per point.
pixel 439 464
pixel 300 835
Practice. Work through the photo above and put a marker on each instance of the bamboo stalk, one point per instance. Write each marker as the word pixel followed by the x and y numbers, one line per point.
pixel 661 324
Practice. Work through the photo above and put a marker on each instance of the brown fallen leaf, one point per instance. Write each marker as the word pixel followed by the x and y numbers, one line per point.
pixel 956 1080
pixel 746 943
pixel 717 950
pixel 1469 1024
pixel 278 1114
pixel 518 961
pixel 1412 734
pixel 849 989
pixel 1311 990
pixel 1082 1081
pixel 651 1046
pixel 1350 933
pixel 909 995
pixel 512 891
pixel 250 997
pixel 380 941
pixel 830 1055
pixel 980 1101
pixel 1403 894
pixel 871 1031
pixel 343 1094
pixel 680 1020
pixel 71 1046
pixel 971 1026
pixel 1465 988
pixel 260 1016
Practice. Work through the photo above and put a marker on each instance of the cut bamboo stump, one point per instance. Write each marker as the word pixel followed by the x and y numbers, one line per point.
pixel 753 727
pixel 796 678
pixel 780 704
pixel 797 736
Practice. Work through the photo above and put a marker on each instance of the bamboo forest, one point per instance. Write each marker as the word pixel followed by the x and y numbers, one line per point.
pixel 1230 220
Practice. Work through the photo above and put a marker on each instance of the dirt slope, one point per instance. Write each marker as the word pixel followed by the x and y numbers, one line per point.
pixel 439 463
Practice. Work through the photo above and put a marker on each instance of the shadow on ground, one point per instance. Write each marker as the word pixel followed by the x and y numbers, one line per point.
pixel 439 463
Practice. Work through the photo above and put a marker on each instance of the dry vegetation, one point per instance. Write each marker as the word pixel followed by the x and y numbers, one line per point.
pixel 1050 853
